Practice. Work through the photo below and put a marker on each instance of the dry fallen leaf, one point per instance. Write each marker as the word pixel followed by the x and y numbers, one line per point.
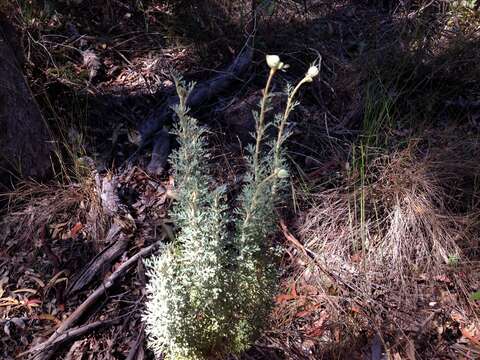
pixel 472 333
pixel 286 297
pixel 442 278
pixel 356 258
pixel 76 229
pixel 309 290
pixel 310 309
pixel 356 309
pixel 317 328
pixel 48 317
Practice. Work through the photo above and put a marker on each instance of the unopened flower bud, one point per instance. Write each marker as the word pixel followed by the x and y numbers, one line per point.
pixel 311 73
pixel 273 61
pixel 282 174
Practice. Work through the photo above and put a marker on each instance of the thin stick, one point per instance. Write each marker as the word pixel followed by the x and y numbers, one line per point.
pixel 136 346
pixel 79 331
pixel 91 300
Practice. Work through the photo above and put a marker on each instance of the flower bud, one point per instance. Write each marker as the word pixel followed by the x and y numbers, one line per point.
pixel 273 61
pixel 311 73
pixel 282 174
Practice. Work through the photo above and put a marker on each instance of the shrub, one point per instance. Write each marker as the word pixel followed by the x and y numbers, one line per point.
pixel 211 290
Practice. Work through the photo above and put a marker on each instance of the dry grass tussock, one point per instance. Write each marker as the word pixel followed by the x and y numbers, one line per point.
pixel 33 206
pixel 397 223
pixel 378 249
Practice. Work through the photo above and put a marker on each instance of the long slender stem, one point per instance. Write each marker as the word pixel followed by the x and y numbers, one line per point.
pixel 261 122
pixel 254 198
pixel 281 128
pixel 286 114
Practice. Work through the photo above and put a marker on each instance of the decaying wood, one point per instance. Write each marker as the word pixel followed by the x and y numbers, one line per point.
pixel 109 195
pixel 77 332
pixel 160 152
pixel 103 261
pixel 25 144
pixel 202 93
pixel 151 130
pixel 46 349
pixel 136 352
pixel 117 237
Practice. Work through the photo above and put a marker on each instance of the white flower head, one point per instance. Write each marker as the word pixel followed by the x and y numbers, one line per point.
pixel 273 61
pixel 282 174
pixel 313 71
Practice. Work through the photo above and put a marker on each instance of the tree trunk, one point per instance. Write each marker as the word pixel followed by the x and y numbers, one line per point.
pixel 24 138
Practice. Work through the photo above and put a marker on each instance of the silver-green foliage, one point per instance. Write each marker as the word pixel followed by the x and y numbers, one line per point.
pixel 211 290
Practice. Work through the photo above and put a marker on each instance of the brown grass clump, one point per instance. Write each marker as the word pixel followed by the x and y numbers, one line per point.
pixel 397 223
pixel 57 208
pixel 386 254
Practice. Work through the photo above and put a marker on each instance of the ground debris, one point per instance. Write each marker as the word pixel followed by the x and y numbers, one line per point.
pixel 38 292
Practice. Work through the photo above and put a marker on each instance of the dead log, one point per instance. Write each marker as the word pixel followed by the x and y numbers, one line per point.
pixel 25 145
pixel 151 130
pixel 101 263
pixel 160 151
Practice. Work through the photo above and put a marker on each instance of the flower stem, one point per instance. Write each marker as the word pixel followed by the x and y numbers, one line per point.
pixel 281 128
pixel 286 114
pixel 255 196
pixel 261 122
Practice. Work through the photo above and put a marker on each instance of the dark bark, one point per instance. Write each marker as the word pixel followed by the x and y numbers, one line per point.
pixel 24 138
pixel 151 129
pixel 101 263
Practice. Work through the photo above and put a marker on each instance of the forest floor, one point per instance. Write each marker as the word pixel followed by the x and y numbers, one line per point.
pixel 380 230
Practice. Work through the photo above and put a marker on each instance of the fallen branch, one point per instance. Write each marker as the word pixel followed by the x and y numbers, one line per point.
pixel 203 92
pixel 151 129
pixel 100 263
pixel 160 152
pixel 132 354
pixel 77 332
pixel 91 300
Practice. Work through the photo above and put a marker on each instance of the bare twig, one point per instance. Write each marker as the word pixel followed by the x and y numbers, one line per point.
pixel 92 299
pixel 102 261
pixel 132 355
pixel 78 332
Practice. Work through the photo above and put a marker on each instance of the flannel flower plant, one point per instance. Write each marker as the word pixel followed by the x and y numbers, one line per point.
pixel 211 290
